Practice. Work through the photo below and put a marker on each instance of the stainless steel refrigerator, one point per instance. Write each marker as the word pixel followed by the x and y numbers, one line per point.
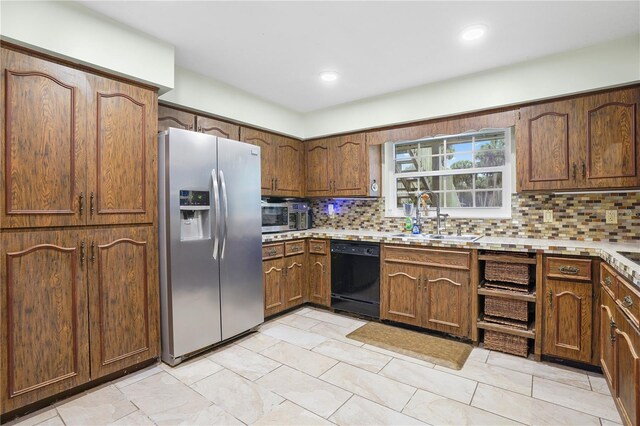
pixel 210 241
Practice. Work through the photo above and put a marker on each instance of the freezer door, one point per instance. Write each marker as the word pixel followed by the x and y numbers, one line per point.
pixel 192 296
pixel 241 289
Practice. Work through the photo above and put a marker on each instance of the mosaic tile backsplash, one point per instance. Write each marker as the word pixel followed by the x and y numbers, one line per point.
pixel 576 217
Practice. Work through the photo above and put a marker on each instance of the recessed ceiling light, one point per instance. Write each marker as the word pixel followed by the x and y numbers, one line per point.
pixel 328 76
pixel 473 33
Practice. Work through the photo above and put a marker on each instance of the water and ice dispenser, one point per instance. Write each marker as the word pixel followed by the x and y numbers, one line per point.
pixel 194 215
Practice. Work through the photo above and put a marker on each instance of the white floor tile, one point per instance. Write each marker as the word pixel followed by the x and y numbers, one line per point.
pixel 258 342
pixel 301 359
pixel 138 375
pixel 336 319
pixel 293 335
pixel 494 375
pixel 191 371
pixel 238 396
pixel 299 321
pixel 398 355
pixel 438 410
pixel 360 411
pixel 35 418
pixel 308 392
pixel 290 414
pixel 479 355
pixel 102 406
pixel 372 386
pixel 244 362
pixel 589 402
pixel 599 384
pixel 528 410
pixel 363 358
pixel 212 415
pixel 134 419
pixel 432 380
pixel 334 332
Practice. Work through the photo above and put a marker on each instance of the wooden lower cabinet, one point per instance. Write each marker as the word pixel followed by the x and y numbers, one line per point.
pixel 627 370
pixel 284 276
pixel 319 272
pixel 76 305
pixel 123 294
pixel 607 336
pixel 273 282
pixel 294 279
pixel 428 288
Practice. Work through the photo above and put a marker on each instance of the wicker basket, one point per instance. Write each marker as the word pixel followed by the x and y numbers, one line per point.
pixel 518 288
pixel 507 308
pixel 515 345
pixel 510 272
pixel 522 325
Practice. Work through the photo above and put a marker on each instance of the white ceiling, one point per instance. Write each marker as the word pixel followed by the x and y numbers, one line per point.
pixel 276 50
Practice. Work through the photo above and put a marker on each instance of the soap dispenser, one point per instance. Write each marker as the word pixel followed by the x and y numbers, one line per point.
pixel 416 227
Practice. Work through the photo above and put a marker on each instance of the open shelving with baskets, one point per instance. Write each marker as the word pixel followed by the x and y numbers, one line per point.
pixel 507 302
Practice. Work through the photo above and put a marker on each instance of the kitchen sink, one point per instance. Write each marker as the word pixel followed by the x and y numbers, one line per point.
pixel 435 237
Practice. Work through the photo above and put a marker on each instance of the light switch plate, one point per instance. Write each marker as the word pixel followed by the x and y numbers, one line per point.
pixel 612 216
pixel 547 216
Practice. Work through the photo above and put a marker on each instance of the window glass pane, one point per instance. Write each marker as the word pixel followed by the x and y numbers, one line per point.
pixel 458 199
pixel 432 183
pixel 459 161
pixel 406 185
pixel 458 182
pixel 489 158
pixel 488 180
pixel 489 199
pixel 432 164
pixel 461 144
pixel 430 148
pixel 490 141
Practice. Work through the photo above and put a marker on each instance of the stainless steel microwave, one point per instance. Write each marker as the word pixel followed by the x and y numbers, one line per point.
pixel 286 216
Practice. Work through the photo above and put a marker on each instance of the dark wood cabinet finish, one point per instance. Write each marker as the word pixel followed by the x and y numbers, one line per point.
pixel 401 293
pixel 267 156
pixel 319 272
pixel 274 286
pixel 319 168
pixel 447 300
pixel 123 294
pixel 607 335
pixel 627 370
pixel 218 128
pixel 294 273
pixel 43 150
pixel 44 315
pixel 170 117
pixel 588 142
pixel 122 153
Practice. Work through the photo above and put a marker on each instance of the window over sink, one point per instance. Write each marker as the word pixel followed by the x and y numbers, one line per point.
pixel 470 172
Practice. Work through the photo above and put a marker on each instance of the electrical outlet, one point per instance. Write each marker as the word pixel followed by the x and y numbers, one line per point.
pixel 547 216
pixel 611 216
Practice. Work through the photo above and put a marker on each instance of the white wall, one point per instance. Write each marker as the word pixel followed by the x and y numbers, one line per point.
pixel 611 64
pixel 76 33
pixel 202 93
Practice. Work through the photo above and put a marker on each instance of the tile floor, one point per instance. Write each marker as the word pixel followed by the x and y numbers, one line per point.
pixel 300 369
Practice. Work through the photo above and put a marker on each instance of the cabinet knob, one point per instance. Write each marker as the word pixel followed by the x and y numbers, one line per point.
pixel 627 302
pixel 607 281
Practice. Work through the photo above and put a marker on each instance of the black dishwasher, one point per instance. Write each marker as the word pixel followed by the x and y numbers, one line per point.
pixel 355 277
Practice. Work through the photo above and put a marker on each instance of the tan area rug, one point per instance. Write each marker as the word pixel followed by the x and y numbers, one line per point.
pixel 439 351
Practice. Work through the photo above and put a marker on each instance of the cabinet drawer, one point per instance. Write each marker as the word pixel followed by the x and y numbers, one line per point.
pixel 293 247
pixel 608 279
pixel 272 251
pixel 628 298
pixel 318 246
pixel 568 268
pixel 429 257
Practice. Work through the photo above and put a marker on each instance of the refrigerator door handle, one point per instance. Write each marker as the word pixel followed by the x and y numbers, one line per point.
pixel 216 207
pixel 223 186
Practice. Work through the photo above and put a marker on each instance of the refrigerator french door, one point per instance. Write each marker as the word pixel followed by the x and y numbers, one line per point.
pixel 210 241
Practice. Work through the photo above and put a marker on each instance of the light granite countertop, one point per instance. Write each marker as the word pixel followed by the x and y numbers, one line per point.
pixel 606 251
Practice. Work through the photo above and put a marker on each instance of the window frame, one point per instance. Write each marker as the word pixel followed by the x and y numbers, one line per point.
pixel 504 212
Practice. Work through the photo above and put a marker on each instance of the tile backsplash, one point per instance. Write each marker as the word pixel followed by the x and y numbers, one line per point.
pixel 576 217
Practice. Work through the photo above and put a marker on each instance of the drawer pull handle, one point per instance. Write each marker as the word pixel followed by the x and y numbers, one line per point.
pixel 627 302
pixel 607 281
pixel 81 203
pixel 317 247
pixel 272 252
pixel 569 270
pixel 550 299
pixel 612 334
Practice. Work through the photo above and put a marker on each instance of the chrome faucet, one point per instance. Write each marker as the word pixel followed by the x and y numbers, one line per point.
pixel 434 199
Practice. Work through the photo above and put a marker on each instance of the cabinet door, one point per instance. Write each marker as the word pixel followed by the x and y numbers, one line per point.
pixel 567 314
pixel 607 337
pixel 122 153
pixel 445 301
pixel 169 117
pixel 268 156
pixel 627 373
pixel 400 292
pixel 273 280
pixel 350 165
pixel 611 150
pixel 43 152
pixel 319 279
pixel 218 128
pixel 43 309
pixel 319 170
pixel 295 279
pixel 123 297
pixel 545 138
pixel 289 170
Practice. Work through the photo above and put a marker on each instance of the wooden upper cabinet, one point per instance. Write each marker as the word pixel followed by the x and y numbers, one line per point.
pixel 122 153
pixel 123 294
pixel 289 173
pixel 589 142
pixel 43 308
pixel 218 128
pixel 318 165
pixel 43 150
pixel 350 165
pixel 267 156
pixel 169 117
pixel 612 144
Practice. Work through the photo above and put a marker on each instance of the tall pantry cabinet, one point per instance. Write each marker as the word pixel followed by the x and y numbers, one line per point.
pixel 78 196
